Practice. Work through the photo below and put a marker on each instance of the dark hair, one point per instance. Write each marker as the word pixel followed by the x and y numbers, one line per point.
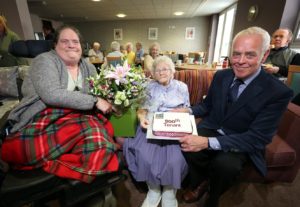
pixel 63 27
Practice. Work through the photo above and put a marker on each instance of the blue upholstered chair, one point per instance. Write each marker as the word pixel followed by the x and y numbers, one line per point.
pixel 293 80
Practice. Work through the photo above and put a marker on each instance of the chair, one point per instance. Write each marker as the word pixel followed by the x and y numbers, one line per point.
pixel 114 60
pixel 198 56
pixel 7 60
pixel 293 79
pixel 36 186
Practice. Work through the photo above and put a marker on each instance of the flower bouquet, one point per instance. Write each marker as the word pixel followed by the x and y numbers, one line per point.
pixel 124 87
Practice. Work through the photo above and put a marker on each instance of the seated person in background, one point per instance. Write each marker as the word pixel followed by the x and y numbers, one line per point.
pixel 115 52
pixel 240 115
pixel 139 54
pixel 159 163
pixel 64 133
pixel 149 58
pixel 281 55
pixel 123 50
pixel 130 54
pixel 95 52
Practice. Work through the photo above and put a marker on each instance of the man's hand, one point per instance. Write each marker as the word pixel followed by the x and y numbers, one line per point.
pixel 269 68
pixel 193 143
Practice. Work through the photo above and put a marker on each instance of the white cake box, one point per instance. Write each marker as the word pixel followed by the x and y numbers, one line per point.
pixel 150 134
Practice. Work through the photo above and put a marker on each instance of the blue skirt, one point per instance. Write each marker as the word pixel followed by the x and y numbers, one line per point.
pixel 158 162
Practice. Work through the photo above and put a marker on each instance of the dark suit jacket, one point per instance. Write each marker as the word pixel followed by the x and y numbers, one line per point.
pixel 251 122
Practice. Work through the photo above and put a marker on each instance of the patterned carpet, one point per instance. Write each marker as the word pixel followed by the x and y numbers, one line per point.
pixel 242 195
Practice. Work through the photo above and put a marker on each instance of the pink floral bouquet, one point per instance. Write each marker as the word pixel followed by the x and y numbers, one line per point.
pixel 124 86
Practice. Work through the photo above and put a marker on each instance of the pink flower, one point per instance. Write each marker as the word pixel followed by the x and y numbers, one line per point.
pixel 120 73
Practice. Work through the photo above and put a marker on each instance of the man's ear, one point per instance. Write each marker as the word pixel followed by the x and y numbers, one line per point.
pixel 265 56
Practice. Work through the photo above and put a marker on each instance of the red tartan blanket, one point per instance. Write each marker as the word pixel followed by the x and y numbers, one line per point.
pixel 67 143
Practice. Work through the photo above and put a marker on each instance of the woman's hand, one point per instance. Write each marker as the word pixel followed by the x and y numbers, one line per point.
pixel 104 106
pixel 144 123
pixel 182 110
pixel 141 113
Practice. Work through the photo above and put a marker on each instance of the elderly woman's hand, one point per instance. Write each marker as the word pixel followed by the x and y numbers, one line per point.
pixel 104 106
pixel 144 123
pixel 182 110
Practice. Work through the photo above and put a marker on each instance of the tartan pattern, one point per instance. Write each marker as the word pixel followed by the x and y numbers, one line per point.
pixel 67 143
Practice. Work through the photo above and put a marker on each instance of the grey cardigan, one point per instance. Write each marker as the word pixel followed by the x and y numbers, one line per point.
pixel 46 85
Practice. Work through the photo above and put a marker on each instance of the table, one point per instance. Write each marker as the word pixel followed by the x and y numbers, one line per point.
pixel 97 63
pixel 186 66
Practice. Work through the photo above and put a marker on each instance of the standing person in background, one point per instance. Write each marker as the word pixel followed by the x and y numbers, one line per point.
pixel 95 52
pixel 281 55
pixel 153 53
pixel 7 36
pixel 130 54
pixel 49 32
pixel 139 54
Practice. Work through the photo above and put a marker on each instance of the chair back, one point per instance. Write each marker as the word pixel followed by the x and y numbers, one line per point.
pixel 30 48
pixel 293 80
pixel 114 60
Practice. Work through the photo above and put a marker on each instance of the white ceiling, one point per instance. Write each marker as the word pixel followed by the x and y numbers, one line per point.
pixel 86 10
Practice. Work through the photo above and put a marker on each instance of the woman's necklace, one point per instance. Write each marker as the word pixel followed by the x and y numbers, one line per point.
pixel 74 76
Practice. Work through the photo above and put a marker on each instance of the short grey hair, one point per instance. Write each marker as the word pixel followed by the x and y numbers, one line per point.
pixel 115 46
pixel 163 59
pixel 266 39
pixel 154 44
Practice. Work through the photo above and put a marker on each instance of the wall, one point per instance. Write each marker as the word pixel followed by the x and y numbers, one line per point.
pixel 269 14
pixel 171 33
pixel 18 17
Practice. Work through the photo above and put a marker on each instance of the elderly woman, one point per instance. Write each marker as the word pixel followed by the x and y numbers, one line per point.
pixel 115 52
pixel 158 162
pixel 153 53
pixel 55 125
pixel 95 52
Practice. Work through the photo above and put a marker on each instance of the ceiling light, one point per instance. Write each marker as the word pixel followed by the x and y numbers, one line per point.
pixel 178 13
pixel 121 15
pixel 96 0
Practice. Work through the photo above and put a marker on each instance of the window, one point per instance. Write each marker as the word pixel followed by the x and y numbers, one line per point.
pixel 224 33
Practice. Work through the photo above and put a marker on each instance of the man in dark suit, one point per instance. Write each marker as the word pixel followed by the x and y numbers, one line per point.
pixel 240 115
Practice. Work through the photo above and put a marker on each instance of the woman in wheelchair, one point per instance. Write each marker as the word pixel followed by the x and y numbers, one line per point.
pixel 58 125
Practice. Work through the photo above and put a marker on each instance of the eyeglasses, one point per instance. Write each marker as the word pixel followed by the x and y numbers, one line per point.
pixel 68 42
pixel 164 70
